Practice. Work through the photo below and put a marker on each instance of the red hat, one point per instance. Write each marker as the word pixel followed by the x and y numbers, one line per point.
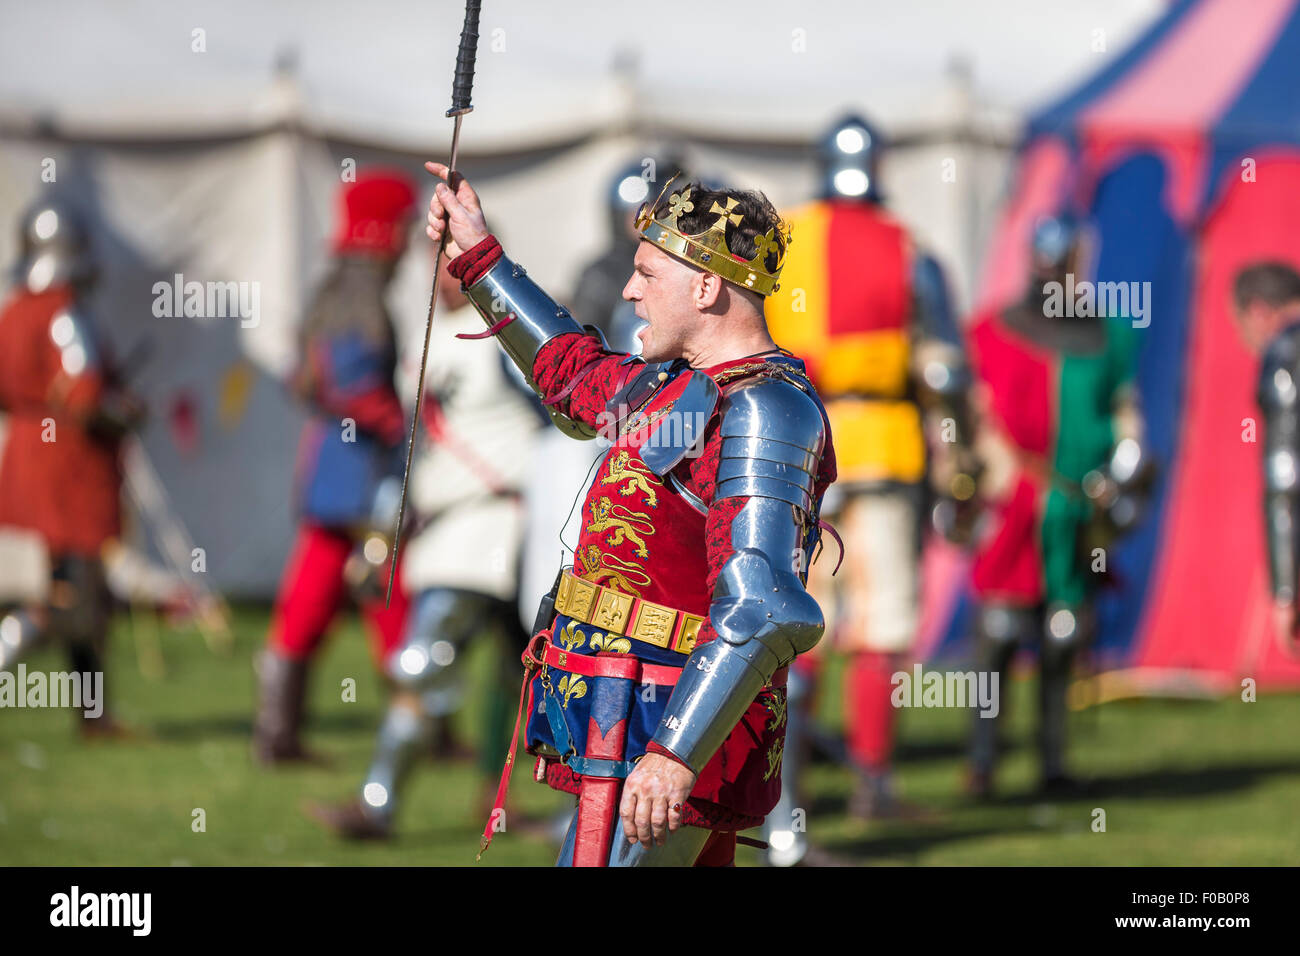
pixel 376 212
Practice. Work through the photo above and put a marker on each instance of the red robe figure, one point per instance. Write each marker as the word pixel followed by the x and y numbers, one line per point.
pixel 349 459
pixel 1065 471
pixel 656 680
pixel 61 472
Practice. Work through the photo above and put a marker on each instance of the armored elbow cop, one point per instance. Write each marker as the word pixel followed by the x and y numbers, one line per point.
pixel 772 440
pixel 506 292
pixel 943 383
pixel 1121 487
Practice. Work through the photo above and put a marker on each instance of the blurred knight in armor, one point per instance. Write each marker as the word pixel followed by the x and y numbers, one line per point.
pixel 870 313
pixel 1266 303
pixel 348 473
pixel 461 562
pixel 1065 472
pixel 68 410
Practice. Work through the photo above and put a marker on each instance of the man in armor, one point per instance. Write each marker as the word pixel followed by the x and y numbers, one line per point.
pixel 467 477
pixel 1061 441
pixel 869 312
pixel 657 692
pixel 349 460
pixel 68 410
pixel 1266 302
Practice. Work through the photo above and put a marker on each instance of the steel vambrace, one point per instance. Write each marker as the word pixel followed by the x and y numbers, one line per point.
pixel 506 292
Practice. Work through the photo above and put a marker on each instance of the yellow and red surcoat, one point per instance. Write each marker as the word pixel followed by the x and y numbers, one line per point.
pixel 845 307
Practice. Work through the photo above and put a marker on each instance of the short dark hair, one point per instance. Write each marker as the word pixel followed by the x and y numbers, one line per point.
pixel 1272 282
pixel 758 215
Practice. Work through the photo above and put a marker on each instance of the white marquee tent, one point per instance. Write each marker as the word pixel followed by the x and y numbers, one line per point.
pixel 209 137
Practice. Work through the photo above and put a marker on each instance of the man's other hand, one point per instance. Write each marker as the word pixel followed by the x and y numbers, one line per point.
pixel 653 796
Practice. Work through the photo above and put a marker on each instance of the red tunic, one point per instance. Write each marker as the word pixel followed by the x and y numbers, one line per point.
pixel 67 489
pixel 670 554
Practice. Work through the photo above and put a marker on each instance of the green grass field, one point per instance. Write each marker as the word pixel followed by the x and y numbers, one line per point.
pixel 1180 783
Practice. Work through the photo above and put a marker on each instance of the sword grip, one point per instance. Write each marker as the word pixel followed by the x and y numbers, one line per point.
pixel 463 84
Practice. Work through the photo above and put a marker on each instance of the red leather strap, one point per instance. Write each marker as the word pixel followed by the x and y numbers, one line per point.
pixel 491 330
pixel 440 431
pixel 582 373
pixel 827 526
pixel 628 668
pixel 503 786
pixel 625 376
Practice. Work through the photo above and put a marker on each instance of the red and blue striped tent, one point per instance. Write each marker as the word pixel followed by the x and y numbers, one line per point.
pixel 1184 152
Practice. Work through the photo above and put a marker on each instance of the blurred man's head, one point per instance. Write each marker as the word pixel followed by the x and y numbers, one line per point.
pixel 1055 249
pixel 55 248
pixel 684 286
pixel 376 214
pixel 849 154
pixel 1265 298
pixel 634 185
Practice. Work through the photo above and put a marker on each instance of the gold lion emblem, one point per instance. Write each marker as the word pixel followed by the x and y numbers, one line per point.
pixel 636 474
pixel 629 525
pixel 608 570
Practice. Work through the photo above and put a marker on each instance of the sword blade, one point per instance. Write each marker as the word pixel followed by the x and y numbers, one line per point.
pixel 419 388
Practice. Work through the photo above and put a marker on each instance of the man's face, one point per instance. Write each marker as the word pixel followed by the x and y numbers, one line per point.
pixel 1044 272
pixel 1256 324
pixel 663 288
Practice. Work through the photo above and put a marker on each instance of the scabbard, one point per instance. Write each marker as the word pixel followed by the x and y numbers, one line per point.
pixel 599 796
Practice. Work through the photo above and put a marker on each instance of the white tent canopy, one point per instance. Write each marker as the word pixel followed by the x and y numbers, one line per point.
pixel 208 138
pixel 380 71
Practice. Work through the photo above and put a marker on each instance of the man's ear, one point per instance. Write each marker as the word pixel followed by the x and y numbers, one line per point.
pixel 708 289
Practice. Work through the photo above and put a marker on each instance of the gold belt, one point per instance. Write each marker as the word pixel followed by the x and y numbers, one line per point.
pixel 627 614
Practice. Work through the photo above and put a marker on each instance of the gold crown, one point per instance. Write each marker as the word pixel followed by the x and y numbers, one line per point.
pixel 657 223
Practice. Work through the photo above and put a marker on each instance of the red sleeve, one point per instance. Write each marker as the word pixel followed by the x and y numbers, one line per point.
pixel 374 406
pixel 81 394
pixel 472 264
pixel 578 377
pixel 654 748
pixel 379 412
